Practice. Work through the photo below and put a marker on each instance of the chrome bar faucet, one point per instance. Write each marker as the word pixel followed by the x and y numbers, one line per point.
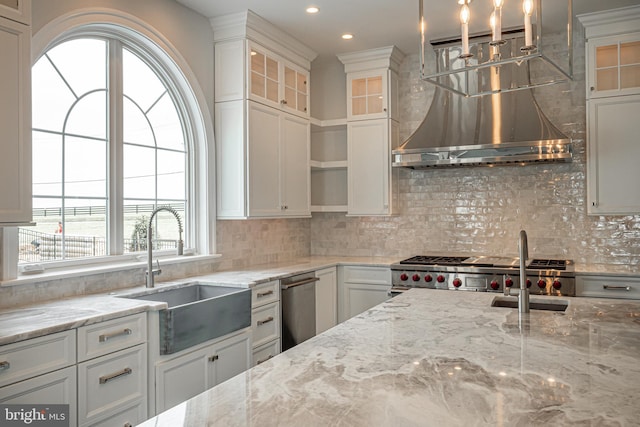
pixel 523 251
pixel 151 272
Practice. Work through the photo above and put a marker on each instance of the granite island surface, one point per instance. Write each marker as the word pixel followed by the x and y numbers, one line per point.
pixel 440 358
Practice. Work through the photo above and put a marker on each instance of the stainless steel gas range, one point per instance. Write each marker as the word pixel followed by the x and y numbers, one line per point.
pixel 483 274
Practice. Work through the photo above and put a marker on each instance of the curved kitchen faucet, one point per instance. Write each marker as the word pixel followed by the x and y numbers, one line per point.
pixel 151 272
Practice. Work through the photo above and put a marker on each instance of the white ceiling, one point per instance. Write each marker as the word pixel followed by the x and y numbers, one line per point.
pixel 374 23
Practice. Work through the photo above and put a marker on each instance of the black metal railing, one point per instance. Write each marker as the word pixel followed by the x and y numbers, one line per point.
pixel 36 246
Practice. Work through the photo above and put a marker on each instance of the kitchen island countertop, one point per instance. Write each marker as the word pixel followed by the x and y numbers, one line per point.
pixel 435 358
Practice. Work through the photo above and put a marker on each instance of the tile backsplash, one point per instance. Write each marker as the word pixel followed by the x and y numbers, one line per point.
pixel 481 210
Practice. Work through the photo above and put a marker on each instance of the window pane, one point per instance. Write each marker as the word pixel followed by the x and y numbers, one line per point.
pixel 136 219
pixel 139 172
pixel 140 82
pixel 166 124
pixel 136 128
pixel 89 116
pixel 171 183
pixel 85 166
pixel 82 63
pixel 42 242
pixel 85 228
pixel 52 98
pixel 47 164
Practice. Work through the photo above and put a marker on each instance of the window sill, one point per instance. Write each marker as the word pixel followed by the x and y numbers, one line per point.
pixel 91 269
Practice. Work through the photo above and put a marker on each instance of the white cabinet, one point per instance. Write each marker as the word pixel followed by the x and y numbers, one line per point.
pixel 613 106
pixel 278 163
pixel 40 370
pixel 16 10
pixel 263 172
pixel 369 166
pixel 608 287
pixel 261 120
pixel 265 321
pixel 196 370
pixel 277 82
pixel 372 129
pixel 112 370
pixel 360 288
pixel 15 113
pixel 326 299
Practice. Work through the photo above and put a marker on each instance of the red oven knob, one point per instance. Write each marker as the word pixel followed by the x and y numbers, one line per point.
pixel 528 283
pixel 557 284
pixel 495 285
pixel 457 282
pixel 440 278
pixel 404 277
pixel 415 277
pixel 508 283
pixel 428 278
pixel 542 284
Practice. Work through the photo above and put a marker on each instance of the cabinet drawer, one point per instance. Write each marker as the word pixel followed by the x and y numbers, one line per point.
pixel 372 275
pixel 109 382
pixel 265 352
pixel 265 323
pixel 112 335
pixel 26 359
pixel 608 287
pixel 127 417
pixel 265 293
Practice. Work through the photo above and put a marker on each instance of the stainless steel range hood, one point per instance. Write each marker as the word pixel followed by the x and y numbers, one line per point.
pixel 500 128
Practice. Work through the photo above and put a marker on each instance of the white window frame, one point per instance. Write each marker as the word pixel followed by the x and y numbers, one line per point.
pixel 165 59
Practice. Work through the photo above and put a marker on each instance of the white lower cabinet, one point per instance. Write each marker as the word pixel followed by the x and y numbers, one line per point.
pixel 361 288
pixel 326 299
pixel 58 387
pixel 265 321
pixel 608 287
pixel 107 383
pixel 196 370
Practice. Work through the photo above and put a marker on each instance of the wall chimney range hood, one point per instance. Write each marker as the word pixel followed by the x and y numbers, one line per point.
pixel 483 110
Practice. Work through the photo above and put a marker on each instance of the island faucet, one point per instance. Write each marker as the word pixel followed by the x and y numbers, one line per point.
pixel 151 272
pixel 523 292
pixel 523 252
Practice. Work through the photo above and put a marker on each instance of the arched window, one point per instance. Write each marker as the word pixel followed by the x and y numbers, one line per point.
pixel 111 141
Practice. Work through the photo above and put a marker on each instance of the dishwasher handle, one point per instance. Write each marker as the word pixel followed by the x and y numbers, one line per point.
pixel 300 283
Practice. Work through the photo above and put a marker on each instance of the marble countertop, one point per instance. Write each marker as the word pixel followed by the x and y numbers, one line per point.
pixel 430 357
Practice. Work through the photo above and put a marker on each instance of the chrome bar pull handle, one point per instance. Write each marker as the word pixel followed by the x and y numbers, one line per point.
pixel 616 288
pixel 267 320
pixel 105 379
pixel 264 294
pixel 107 337
pixel 5 365
pixel 214 358
pixel 265 359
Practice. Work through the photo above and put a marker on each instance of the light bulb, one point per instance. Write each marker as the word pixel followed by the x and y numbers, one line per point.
pixel 527 7
pixel 464 14
pixel 498 3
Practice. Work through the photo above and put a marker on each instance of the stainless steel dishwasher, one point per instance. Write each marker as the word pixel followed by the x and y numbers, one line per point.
pixel 298 301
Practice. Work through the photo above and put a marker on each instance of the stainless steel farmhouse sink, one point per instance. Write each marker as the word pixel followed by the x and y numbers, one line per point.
pixel 197 313
pixel 534 303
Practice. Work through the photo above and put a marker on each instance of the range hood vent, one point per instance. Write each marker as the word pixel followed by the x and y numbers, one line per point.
pixel 505 127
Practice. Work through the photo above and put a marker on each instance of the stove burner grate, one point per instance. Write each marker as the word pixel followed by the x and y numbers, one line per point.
pixel 548 264
pixel 434 260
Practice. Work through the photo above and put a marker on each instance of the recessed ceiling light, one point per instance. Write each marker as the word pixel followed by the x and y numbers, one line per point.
pixel 313 9
pixel 347 36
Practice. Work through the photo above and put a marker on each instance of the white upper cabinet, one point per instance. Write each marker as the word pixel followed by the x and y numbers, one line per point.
pixel 262 121
pixel 15 113
pixel 277 82
pixel 372 129
pixel 613 108
pixel 16 10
